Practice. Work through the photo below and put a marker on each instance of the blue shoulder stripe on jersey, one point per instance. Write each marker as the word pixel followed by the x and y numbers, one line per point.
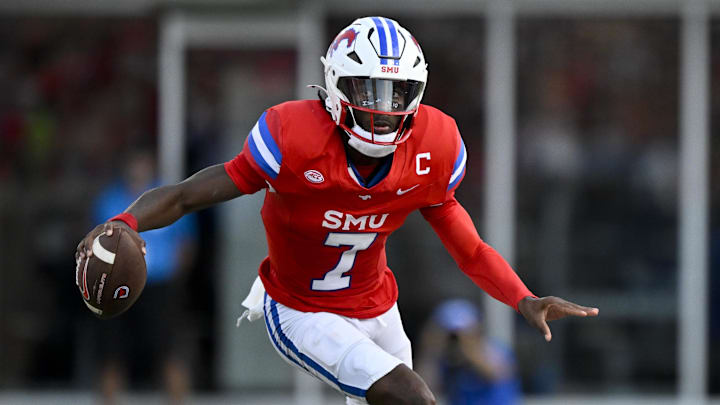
pixel 259 159
pixel 269 140
pixel 264 149
pixel 460 160
pixel 383 41
pixel 358 392
pixel 456 181
pixel 459 166
pixel 394 38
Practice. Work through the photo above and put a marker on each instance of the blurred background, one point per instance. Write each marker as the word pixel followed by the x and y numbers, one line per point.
pixel 591 166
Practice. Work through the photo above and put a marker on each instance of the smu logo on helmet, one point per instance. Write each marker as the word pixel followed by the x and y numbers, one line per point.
pixel 389 69
pixel 349 34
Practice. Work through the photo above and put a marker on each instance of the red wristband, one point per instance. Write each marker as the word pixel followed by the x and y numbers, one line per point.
pixel 127 218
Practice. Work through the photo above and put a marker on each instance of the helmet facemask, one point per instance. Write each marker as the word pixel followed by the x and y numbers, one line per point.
pixel 378 111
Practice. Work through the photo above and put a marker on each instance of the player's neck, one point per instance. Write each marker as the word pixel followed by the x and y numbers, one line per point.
pixel 357 158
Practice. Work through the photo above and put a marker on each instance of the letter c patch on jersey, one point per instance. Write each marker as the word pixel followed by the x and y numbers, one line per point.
pixel 420 167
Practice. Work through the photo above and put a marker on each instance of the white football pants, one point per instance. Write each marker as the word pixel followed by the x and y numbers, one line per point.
pixel 349 354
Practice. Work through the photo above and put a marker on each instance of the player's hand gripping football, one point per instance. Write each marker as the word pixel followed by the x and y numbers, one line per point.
pixel 84 248
pixel 538 311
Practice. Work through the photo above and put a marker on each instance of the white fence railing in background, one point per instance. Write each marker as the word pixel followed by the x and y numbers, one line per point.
pixel 693 202
pixel 499 216
pixel 171 82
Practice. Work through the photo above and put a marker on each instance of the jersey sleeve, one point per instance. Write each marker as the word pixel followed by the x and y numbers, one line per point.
pixel 479 261
pixel 260 161
pixel 458 171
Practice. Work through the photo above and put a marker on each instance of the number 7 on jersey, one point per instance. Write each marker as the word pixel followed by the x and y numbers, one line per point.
pixel 335 278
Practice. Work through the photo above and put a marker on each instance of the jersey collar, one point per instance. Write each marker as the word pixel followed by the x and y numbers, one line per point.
pixel 378 174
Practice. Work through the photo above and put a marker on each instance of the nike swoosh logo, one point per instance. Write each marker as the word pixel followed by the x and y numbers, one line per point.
pixel 400 191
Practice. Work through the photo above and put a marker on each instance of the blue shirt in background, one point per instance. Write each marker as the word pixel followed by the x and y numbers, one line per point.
pixel 163 245
pixel 464 386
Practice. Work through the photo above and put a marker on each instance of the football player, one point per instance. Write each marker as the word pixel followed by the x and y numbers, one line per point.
pixel 340 175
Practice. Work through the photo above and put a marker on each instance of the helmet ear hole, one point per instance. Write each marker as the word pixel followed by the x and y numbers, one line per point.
pixel 417 61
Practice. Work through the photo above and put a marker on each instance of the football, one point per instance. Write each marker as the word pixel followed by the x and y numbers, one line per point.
pixel 111 280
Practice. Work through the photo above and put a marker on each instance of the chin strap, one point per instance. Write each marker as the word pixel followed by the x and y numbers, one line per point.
pixel 370 149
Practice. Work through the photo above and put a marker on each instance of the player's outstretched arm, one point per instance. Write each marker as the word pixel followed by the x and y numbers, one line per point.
pixel 164 205
pixel 538 311
pixel 491 272
pixel 475 258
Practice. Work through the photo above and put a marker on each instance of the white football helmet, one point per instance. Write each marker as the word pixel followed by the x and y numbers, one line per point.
pixel 375 74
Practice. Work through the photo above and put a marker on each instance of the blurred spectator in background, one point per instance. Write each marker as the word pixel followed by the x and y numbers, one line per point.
pixel 148 336
pixel 459 360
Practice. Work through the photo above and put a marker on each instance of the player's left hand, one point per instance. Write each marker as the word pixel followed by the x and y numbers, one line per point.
pixel 538 311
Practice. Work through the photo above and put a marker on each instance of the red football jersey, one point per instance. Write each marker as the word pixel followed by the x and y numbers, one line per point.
pixel 326 227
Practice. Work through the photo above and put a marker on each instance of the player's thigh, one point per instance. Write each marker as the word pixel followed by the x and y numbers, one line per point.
pixel 390 335
pixel 328 347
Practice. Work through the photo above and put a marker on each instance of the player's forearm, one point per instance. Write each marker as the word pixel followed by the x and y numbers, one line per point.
pixel 474 257
pixel 164 205
pixel 158 207
pixel 489 270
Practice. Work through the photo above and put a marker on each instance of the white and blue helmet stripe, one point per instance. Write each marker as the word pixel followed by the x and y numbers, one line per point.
pixel 263 148
pixel 387 32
